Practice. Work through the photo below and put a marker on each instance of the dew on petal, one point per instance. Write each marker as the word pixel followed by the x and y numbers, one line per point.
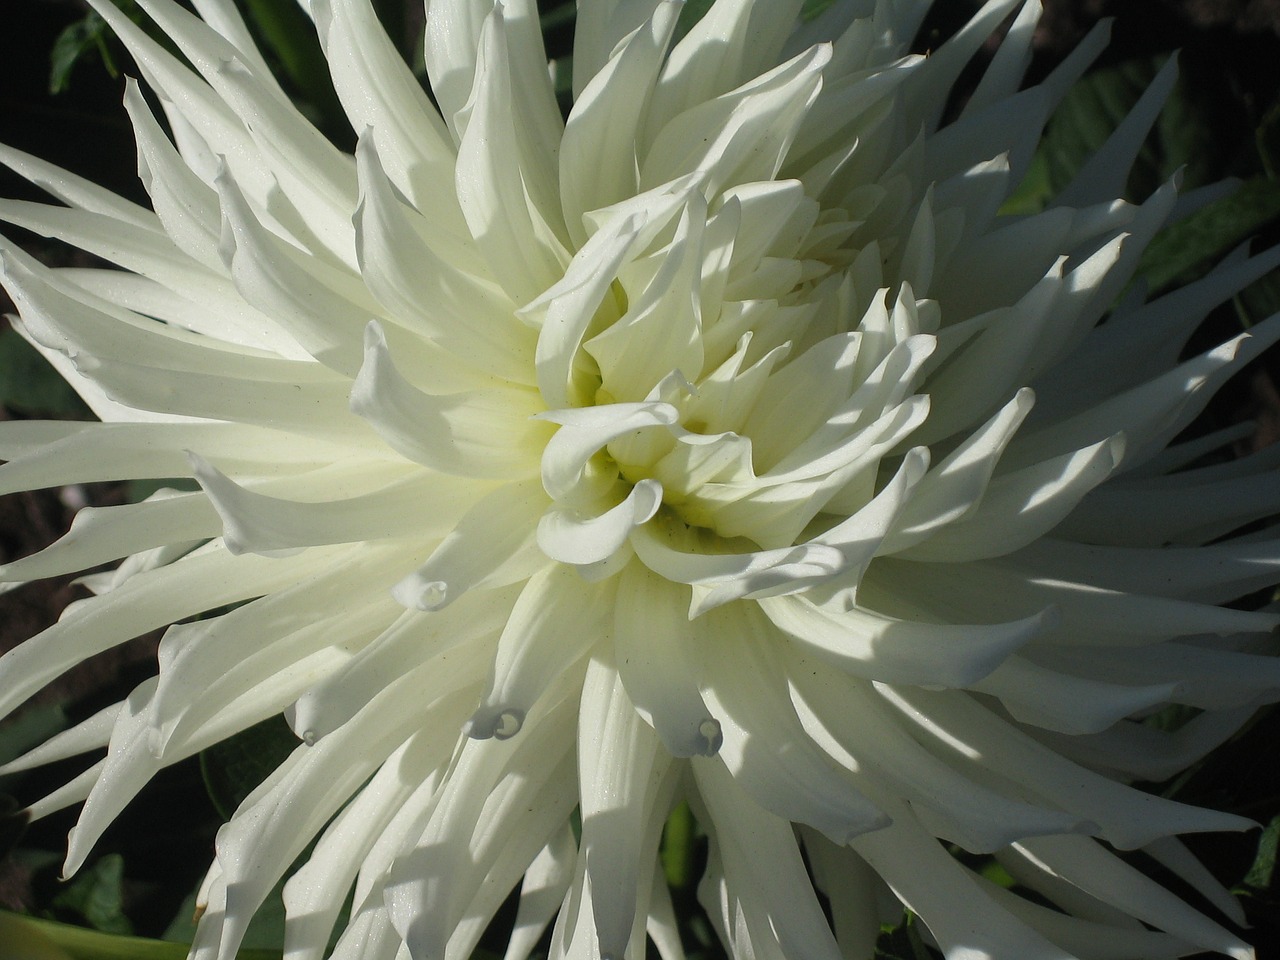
pixel 713 738
pixel 508 724
pixel 503 725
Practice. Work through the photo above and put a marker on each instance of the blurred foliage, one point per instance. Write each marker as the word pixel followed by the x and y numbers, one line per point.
pixel 679 840
pixel 26 938
pixel 264 934
pixel 1187 250
pixel 903 942
pixel 30 729
pixel 286 36
pixel 87 38
pixel 1267 138
pixel 234 767
pixel 1183 145
pixel 93 897
pixel 232 770
pixel 29 385
pixel 1261 877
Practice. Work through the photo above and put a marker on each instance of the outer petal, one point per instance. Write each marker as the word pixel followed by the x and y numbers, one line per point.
pixel 627 782
pixel 481 433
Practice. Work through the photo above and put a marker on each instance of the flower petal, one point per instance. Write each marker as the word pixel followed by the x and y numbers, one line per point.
pixel 628 782
pixel 490 545
pixel 534 648
pixel 867 644
pixel 656 647
pixel 570 538
pixel 746 694
pixel 482 433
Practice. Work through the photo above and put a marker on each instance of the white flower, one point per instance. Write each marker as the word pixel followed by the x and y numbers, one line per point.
pixel 723 443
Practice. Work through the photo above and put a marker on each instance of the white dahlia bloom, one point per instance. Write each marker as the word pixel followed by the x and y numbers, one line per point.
pixel 721 444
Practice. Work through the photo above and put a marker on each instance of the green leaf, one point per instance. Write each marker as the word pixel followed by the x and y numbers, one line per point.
pixel 564 84
pixel 33 939
pixel 29 385
pixel 1263 872
pixel 1089 114
pixel 678 837
pixel 391 14
pixel 1189 249
pixel 997 874
pixel 813 9
pixel 288 35
pixel 73 44
pixel 903 942
pixel 94 895
pixel 1259 300
pixel 285 32
pixel 1183 136
pixel 135 491
pixel 1035 191
pixel 1172 718
pixel 1267 137
pixel 558 17
pixel 92 35
pixel 234 767
pixel 266 927
pixel 694 10
pixel 30 728
pixel 264 933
